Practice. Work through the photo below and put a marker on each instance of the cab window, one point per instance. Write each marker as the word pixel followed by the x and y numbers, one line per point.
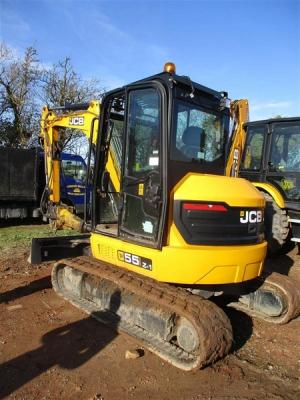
pixel 199 135
pixel 253 153
pixel 74 169
pixel 143 132
pixel 285 154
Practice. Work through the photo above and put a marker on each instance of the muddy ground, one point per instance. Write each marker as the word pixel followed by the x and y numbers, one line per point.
pixel 51 350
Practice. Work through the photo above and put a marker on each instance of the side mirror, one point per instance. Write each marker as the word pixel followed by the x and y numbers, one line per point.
pixel 105 181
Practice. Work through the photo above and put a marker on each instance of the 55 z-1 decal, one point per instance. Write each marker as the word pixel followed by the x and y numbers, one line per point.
pixel 135 260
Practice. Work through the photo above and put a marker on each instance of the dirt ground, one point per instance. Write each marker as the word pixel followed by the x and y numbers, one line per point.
pixel 51 350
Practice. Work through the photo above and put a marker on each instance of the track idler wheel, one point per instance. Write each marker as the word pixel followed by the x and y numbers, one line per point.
pixel 187 337
pixel 277 300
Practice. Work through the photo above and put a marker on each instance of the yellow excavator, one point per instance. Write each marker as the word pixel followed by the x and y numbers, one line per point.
pixel 84 118
pixel 271 160
pixel 53 122
pixel 172 230
pixel 267 154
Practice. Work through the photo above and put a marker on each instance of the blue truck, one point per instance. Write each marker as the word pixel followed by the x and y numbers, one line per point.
pixel 22 182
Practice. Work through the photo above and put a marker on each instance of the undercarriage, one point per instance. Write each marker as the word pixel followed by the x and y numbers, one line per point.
pixel 184 329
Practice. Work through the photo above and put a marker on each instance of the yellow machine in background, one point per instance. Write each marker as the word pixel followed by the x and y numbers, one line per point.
pixel 271 160
pixel 267 154
pixel 80 117
pixel 83 117
pixel 171 230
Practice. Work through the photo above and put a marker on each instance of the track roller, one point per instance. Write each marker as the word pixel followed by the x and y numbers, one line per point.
pixel 183 329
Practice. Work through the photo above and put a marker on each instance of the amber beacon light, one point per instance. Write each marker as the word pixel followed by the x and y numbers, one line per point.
pixel 170 67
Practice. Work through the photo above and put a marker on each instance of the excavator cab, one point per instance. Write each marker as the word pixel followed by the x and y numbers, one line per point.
pixel 157 150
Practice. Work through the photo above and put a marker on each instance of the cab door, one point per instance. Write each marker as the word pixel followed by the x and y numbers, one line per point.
pixel 143 187
pixel 253 166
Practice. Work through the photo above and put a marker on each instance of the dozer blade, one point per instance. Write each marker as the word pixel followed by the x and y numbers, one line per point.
pixel 277 300
pixel 183 329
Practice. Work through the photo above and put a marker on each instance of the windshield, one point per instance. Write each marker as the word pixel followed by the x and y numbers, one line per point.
pixel 198 135
pixel 285 148
pixel 75 169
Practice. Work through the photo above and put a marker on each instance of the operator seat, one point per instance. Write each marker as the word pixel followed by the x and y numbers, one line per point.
pixel 192 138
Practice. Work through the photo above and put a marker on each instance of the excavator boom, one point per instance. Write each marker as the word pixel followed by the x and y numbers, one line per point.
pixel 240 115
pixel 82 117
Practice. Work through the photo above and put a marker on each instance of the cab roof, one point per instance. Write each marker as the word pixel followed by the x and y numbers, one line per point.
pixel 272 120
pixel 170 80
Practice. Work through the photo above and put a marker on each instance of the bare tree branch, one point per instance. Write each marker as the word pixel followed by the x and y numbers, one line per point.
pixel 18 78
pixel 62 85
pixel 24 85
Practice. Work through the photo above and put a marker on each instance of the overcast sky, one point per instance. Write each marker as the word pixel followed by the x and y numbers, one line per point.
pixel 249 48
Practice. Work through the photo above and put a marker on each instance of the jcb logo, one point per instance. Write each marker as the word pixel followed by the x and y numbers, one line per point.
pixel 76 121
pixel 251 216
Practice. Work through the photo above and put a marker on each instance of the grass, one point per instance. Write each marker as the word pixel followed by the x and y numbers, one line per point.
pixel 19 236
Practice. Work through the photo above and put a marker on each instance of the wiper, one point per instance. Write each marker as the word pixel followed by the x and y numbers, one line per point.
pixel 198 160
pixel 191 94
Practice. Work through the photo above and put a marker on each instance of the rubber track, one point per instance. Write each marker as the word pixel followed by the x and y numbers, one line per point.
pixel 212 325
pixel 284 286
pixel 277 225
